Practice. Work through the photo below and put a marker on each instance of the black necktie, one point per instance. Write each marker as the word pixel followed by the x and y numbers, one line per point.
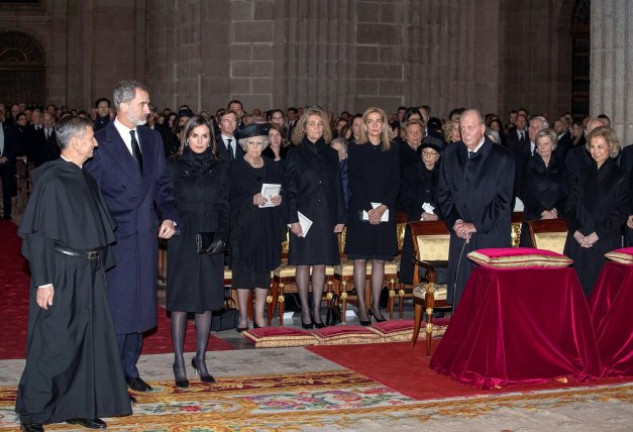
pixel 471 154
pixel 521 138
pixel 228 145
pixel 136 152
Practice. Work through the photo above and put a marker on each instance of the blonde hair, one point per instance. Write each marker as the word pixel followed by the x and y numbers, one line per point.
pixel 609 136
pixel 300 127
pixel 385 137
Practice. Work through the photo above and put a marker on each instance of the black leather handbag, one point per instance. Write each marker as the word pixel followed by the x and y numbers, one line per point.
pixel 225 319
pixel 210 243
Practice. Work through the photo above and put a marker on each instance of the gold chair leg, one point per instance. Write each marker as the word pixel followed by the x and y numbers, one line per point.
pixel 392 294
pixel 281 303
pixel 344 301
pixel 271 302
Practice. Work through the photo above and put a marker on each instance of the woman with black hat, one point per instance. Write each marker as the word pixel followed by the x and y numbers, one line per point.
pixel 195 282
pixel 418 194
pixel 257 222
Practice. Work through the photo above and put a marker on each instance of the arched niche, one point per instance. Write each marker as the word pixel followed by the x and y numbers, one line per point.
pixel 22 69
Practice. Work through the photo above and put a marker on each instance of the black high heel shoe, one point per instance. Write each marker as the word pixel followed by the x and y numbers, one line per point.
pixel 318 325
pixel 378 318
pixel 204 378
pixel 306 326
pixel 180 381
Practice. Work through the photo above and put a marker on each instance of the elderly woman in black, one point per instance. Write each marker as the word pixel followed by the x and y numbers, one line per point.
pixel 544 186
pixel 313 190
pixel 195 282
pixel 257 223
pixel 597 208
pixel 418 194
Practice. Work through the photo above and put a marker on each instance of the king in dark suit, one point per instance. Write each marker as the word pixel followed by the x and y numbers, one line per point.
pixel 130 170
pixel 475 196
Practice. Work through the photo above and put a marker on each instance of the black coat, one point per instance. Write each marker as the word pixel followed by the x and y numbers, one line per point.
pixel 374 177
pixel 478 191
pixel 256 233
pixel 419 186
pixel 599 203
pixel 73 367
pixel 314 188
pixel 626 165
pixel 577 162
pixel 223 152
pixel 195 283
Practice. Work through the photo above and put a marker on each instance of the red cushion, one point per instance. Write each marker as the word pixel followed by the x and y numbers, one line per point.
pixel 269 337
pixel 518 258
pixel 345 334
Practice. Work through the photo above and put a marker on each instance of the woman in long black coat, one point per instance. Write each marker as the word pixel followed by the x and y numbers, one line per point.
pixel 544 185
pixel 256 232
pixel 195 283
pixel 374 180
pixel 313 189
pixel 596 208
pixel 419 187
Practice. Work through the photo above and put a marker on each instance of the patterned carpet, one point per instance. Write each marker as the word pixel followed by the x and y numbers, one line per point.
pixel 334 400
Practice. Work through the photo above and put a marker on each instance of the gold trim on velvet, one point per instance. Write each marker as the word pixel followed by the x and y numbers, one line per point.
pixel 520 261
pixel 281 340
pixel 619 257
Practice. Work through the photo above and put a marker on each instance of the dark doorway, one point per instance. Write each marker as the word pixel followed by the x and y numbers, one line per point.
pixel 21 69
pixel 581 48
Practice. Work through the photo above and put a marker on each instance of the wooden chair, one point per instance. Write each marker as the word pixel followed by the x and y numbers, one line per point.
pixel 283 281
pixel 344 272
pixel 515 227
pixel 548 234
pixel 430 247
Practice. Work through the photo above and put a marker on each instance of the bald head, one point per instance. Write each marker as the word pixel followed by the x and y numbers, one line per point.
pixel 593 123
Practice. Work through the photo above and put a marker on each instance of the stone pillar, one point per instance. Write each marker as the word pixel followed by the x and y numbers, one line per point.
pixel 611 90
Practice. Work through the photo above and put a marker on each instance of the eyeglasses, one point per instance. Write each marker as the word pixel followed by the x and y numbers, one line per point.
pixel 429 153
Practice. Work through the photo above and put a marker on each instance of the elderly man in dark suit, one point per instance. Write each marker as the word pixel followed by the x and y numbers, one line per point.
pixel 130 169
pixel 475 196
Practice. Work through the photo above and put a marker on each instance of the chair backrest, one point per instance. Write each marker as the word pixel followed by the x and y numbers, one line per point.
pixel 548 234
pixel 401 225
pixel 431 240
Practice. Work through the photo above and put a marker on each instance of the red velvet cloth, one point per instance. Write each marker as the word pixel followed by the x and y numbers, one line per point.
pixel 519 326
pixel 610 305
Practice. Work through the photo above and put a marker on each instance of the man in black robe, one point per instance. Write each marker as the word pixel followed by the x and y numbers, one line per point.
pixel 72 372
pixel 475 196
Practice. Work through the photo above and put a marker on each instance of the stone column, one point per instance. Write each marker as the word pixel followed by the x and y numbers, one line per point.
pixel 611 90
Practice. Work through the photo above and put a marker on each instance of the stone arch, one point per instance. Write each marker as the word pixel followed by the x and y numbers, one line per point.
pixel 22 68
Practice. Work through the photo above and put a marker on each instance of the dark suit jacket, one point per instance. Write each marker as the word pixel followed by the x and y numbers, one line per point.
pixel 479 191
pixel 136 202
pixel 626 165
pixel 223 151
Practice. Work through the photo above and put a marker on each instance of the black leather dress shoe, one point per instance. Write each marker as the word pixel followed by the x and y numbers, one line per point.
pixel 137 384
pixel 32 427
pixel 88 423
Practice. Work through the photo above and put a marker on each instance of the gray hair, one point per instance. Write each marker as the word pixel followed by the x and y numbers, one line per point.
pixel 243 141
pixel 70 127
pixel 342 142
pixel 493 135
pixel 542 119
pixel 480 118
pixel 125 91
pixel 548 133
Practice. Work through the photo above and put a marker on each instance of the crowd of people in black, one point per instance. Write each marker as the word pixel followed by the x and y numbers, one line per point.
pixel 239 178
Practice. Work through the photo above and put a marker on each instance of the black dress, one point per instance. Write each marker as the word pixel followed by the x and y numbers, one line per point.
pixel 542 188
pixel 599 203
pixel 374 177
pixel 626 165
pixel 314 188
pixel 256 233
pixel 73 368
pixel 419 186
pixel 195 283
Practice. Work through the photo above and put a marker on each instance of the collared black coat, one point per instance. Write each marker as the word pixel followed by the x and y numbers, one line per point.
pixel 478 191
pixel 374 177
pixel 314 188
pixel 599 203
pixel 135 200
pixel 419 186
pixel 542 188
pixel 195 283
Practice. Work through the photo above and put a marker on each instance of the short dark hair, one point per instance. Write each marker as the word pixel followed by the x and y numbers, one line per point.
pixel 235 101
pixel 102 99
